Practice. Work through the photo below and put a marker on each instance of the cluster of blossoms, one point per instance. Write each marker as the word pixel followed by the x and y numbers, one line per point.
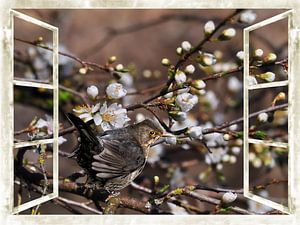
pixel 39 128
pixel 262 155
pixel 108 117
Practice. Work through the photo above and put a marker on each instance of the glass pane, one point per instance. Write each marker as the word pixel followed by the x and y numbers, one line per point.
pixel 37 121
pixel 270 126
pixel 269 172
pixel 31 62
pixel 31 166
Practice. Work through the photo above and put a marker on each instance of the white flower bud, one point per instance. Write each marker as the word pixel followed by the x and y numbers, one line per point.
pixel 92 91
pixel 240 55
pixel 225 158
pixel 226 137
pixel 83 70
pixel 219 166
pixel 258 53
pixel 268 76
pixel 236 150
pixel 257 163
pixel 206 59
pixel 119 67
pixel 248 16
pixel 227 34
pixel 180 77
pixel 239 142
pixel 183 90
pixel 252 156
pixel 112 59
pixel 202 92
pixel 232 159
pixel 233 127
pixel 169 95
pixel 262 117
pixel 209 27
pixel 195 132
pixel 271 57
pixel 190 69
pixel 229 197
pixel 252 81
pixel 234 84
pixel 165 62
pixel 147 73
pixel 115 91
pixel 172 140
pixel 186 46
pixel 179 51
pixel 198 84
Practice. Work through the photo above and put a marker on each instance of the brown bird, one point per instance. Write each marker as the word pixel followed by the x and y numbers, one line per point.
pixel 113 159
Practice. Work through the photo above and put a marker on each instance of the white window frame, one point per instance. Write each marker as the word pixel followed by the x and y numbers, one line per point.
pixel 247 140
pixel 51 86
pixel 6 110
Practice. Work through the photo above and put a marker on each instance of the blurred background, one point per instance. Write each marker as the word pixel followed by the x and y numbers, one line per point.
pixel 140 39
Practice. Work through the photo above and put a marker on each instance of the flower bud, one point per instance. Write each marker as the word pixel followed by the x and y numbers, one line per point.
pixel 281 96
pixel 206 59
pixel 229 197
pixel 268 76
pixel 232 159
pixel 169 95
pixel 178 115
pixel 240 55
pixel 172 140
pixel 247 16
pixel 119 67
pixel 180 77
pixel 198 84
pixel 258 53
pixel 147 73
pixel 236 150
pixel 219 166
pixel 270 58
pixel 115 91
pixel 262 117
pixel 252 81
pixel 83 70
pixel 226 137
pixel 195 132
pixel 209 27
pixel 186 46
pixel 112 59
pixel 227 34
pixel 165 62
pixel 179 51
pixel 189 69
pixel 92 91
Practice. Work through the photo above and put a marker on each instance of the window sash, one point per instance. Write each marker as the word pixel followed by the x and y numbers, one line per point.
pixel 53 86
pixel 248 140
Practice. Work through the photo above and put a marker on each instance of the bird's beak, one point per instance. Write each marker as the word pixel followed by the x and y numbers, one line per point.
pixel 167 135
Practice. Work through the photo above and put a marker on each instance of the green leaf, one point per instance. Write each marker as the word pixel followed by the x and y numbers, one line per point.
pixel 64 96
pixel 164 188
pixel 259 135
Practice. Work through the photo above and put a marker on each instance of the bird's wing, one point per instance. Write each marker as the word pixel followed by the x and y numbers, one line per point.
pixel 120 157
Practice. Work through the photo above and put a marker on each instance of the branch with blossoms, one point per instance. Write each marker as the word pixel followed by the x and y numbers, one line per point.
pixel 171 105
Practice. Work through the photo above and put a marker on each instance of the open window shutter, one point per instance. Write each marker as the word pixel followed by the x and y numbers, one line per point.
pixel 54 87
pixel 247 140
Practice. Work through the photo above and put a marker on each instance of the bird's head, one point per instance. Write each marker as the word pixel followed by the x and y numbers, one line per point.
pixel 147 132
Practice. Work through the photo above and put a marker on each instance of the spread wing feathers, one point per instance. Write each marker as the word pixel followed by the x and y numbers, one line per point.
pixel 119 158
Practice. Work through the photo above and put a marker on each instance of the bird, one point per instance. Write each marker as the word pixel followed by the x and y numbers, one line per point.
pixel 114 158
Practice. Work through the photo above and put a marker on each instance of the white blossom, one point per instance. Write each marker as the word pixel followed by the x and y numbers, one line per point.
pixel 227 34
pixel 115 91
pixel 179 50
pixel 113 117
pixel 262 117
pixel 232 159
pixel 195 132
pixel 169 95
pixel 234 84
pixel 209 27
pixel 212 99
pixel 252 80
pixel 165 62
pixel 226 158
pixel 92 91
pixel 186 101
pixel 198 84
pixel 87 113
pixel 178 116
pixel 215 157
pixel 219 166
pixel 257 162
pixel 180 77
pixel 240 55
pixel 229 197
pixel 186 46
pixel 248 16
pixel 189 69
pixel 233 127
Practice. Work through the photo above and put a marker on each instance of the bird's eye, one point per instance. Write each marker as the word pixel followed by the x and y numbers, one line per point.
pixel 152 133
